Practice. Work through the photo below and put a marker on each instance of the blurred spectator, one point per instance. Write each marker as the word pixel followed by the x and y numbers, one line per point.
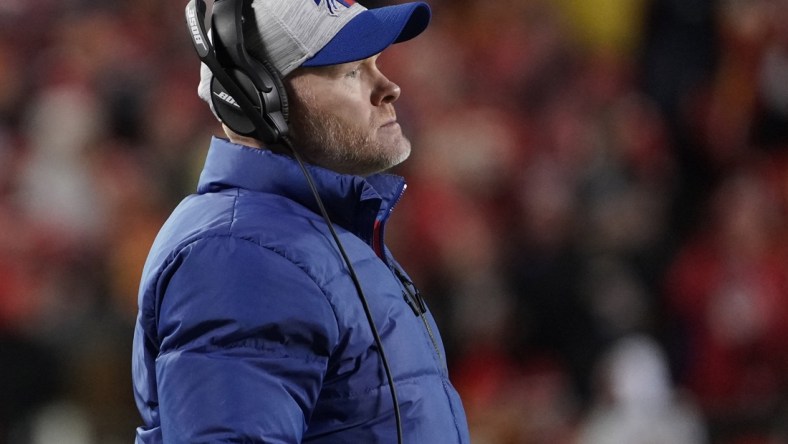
pixel 582 172
pixel 636 402
pixel 728 290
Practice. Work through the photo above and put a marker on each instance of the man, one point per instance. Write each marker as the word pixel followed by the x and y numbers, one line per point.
pixel 250 328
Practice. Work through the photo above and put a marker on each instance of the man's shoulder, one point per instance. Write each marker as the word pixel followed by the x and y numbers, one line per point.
pixel 235 212
pixel 271 221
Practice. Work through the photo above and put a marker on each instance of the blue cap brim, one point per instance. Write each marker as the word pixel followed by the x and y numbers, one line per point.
pixel 372 31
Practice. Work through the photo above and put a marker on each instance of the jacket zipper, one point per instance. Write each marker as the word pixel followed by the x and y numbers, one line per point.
pixel 410 293
pixel 377 230
pixel 432 338
pixel 416 302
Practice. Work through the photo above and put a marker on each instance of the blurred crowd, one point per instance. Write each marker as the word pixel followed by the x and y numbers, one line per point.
pixel 597 210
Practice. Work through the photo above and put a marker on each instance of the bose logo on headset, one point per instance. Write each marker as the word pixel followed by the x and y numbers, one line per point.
pixel 227 98
pixel 195 28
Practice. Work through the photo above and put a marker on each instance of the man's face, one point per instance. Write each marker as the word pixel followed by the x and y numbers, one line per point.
pixel 342 117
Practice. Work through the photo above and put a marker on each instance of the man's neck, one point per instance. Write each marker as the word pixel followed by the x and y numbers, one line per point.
pixel 252 142
pixel 241 140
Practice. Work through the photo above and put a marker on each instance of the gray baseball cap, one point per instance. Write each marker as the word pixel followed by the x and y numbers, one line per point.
pixel 295 33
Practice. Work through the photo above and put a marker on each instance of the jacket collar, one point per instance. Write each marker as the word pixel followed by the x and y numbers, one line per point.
pixel 352 202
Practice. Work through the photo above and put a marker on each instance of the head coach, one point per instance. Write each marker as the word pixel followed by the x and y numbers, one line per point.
pixel 270 309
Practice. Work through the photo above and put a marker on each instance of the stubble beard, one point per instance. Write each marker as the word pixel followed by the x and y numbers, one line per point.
pixel 325 141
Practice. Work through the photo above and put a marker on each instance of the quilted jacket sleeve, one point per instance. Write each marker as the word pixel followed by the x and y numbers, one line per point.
pixel 245 337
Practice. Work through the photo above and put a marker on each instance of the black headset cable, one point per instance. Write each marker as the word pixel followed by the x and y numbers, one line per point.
pixel 356 282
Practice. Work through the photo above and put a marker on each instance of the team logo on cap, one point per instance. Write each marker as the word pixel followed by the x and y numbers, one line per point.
pixel 334 5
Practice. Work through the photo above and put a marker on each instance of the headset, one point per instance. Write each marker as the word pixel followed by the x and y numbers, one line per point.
pixel 247 94
pixel 249 97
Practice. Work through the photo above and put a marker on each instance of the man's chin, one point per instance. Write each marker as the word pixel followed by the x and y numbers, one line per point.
pixel 404 153
pixel 381 163
pixel 399 153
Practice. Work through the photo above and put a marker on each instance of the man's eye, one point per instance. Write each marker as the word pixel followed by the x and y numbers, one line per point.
pixel 353 74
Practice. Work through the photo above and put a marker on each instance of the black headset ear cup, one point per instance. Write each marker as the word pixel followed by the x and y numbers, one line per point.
pixel 278 84
pixel 231 113
pixel 228 109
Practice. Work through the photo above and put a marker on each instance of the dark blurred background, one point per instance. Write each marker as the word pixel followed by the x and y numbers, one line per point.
pixel 596 210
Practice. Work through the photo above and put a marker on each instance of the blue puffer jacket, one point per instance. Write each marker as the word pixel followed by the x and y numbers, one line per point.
pixel 250 329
